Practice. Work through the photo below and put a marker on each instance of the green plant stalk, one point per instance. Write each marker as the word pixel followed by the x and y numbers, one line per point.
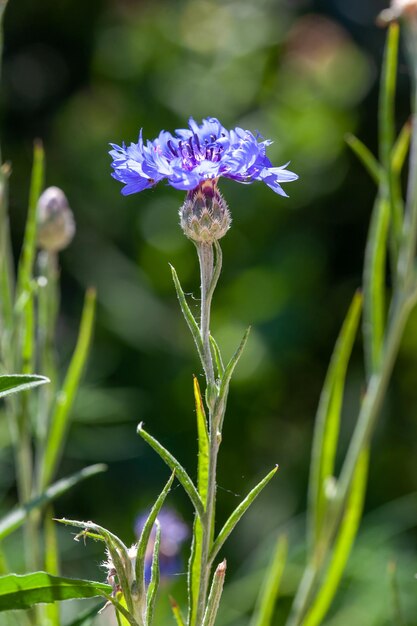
pixel 403 302
pixel 209 275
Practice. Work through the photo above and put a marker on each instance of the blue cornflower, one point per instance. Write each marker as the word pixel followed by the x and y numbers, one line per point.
pixel 194 155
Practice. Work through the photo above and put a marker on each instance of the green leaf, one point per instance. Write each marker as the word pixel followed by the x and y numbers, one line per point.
pixel 117 550
pixel 14 519
pixel 230 367
pixel 327 422
pixel 343 544
pixel 194 571
pixel 65 398
pixel 269 588
pixel 217 357
pixel 176 467
pixel 238 513
pixel 400 149
pixel 215 595
pixel 25 269
pixel 12 383
pixel 51 564
pixel 374 285
pixel 154 584
pixel 365 156
pixel 176 611
pixel 6 257
pixel 386 116
pixel 189 317
pixel 145 535
pixel 22 592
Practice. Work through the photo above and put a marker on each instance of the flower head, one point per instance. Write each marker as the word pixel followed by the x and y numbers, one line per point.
pixel 193 155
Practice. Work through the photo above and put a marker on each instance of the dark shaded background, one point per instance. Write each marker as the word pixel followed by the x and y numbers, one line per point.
pixel 82 74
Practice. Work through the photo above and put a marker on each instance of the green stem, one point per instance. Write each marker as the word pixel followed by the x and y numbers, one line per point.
pixel 206 259
pixel 209 276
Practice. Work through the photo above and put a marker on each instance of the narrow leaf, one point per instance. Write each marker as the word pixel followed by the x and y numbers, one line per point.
pixel 194 571
pixel 400 149
pixel 327 422
pixel 154 584
pixel 365 156
pixel 228 372
pixel 270 587
pixel 238 513
pixel 189 317
pixel 14 519
pixel 215 595
pixel 217 357
pixel 65 399
pixel 176 467
pixel 343 545
pixel 6 257
pixel 176 611
pixel 51 612
pixel 203 442
pixel 27 258
pixel 374 285
pixel 386 117
pixel 12 383
pixel 22 592
pixel 145 535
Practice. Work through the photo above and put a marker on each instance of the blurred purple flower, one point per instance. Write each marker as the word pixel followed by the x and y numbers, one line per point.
pixel 195 154
pixel 173 534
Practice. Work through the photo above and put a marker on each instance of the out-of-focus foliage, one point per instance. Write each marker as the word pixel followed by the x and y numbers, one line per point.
pixel 82 74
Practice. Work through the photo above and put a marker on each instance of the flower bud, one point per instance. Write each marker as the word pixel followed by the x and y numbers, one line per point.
pixel 56 226
pixel 204 214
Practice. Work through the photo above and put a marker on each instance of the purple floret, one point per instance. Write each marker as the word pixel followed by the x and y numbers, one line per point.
pixel 195 154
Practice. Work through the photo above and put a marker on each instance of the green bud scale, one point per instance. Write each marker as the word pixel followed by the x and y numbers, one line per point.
pixel 204 214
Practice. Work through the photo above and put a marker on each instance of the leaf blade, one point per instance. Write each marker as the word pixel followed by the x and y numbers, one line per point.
pixel 23 591
pixel 238 513
pixel 327 421
pixel 174 465
pixel 12 383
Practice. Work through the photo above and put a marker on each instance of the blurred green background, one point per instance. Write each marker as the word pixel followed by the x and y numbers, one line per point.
pixel 82 74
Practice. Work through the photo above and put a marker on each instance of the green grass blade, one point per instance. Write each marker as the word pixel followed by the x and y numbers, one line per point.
pixel 22 592
pixel 176 467
pixel 154 584
pixel 215 595
pixel 343 545
pixel 15 518
pixel 238 513
pixel 26 262
pixel 145 535
pixel 374 285
pixel 176 611
pixel 327 422
pixel 12 383
pixel 270 587
pixel 189 317
pixel 365 156
pixel 65 399
pixel 194 570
